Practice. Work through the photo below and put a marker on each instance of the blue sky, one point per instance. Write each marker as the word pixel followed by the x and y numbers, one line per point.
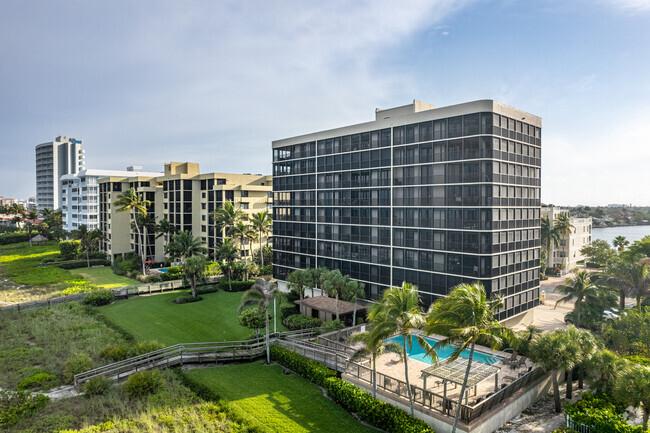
pixel 215 82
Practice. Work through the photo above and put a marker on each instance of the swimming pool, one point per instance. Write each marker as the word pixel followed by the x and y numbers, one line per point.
pixel 418 353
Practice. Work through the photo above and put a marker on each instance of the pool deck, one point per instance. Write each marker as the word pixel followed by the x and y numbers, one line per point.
pixel 390 364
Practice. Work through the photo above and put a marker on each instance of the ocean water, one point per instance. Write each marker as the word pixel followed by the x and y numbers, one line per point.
pixel 631 233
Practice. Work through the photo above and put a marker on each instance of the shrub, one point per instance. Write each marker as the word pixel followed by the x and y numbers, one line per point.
pixel 13 238
pixel 127 264
pixel 266 270
pixel 143 383
pixel 77 363
pixel 79 286
pixel 41 381
pixel 176 271
pixel 146 347
pixel 381 415
pixel 210 288
pixel 69 249
pixel 333 325
pixel 186 299
pixel 565 430
pixel 99 298
pixel 299 321
pixel 154 279
pixel 115 353
pixel 17 405
pixel 237 286
pixel 252 318
pixel 287 310
pixel 213 268
pixel 98 385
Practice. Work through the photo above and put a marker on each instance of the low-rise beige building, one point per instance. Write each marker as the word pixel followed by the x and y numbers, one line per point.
pixel 566 254
pixel 184 197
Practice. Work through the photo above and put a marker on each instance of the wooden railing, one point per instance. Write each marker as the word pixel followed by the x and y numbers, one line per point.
pixel 437 402
pixel 195 353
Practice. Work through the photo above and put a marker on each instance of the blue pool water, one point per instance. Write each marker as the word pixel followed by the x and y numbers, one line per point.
pixel 418 353
pixel 163 270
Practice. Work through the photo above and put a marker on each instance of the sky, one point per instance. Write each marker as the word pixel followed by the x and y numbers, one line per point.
pixel 215 82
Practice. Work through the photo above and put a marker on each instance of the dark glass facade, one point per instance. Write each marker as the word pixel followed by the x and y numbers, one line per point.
pixel 434 203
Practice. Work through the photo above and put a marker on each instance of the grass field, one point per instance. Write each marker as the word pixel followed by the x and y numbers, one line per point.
pixel 158 318
pixel 275 401
pixel 105 277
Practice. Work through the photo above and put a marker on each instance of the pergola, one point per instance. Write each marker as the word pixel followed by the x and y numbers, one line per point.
pixel 454 372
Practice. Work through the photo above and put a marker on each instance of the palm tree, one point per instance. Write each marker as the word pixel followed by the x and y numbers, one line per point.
pixel 185 245
pixel 333 284
pixel 29 222
pixel 466 317
pixel 398 312
pixel 522 339
pixel 589 346
pixel 637 276
pixel 585 341
pixel 604 367
pixel 577 287
pixel 614 278
pixel 318 275
pixel 261 221
pixel 633 388
pixel 227 252
pixel 130 201
pixel 373 347
pixel 298 281
pixel 353 291
pixel 620 243
pixel 89 239
pixel 227 216
pixel 555 352
pixel 260 296
pixel 549 234
pixel 193 270
pixel 239 231
pixel 563 224
pixel 145 223
pixel 167 229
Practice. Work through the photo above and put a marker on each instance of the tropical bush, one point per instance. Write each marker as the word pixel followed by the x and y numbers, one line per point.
pixel 41 381
pixel 237 286
pixel 252 318
pixel 333 325
pixel 70 250
pixel 213 268
pixel 128 264
pixel 77 363
pixel 300 321
pixel 154 279
pixel 186 299
pixel 287 309
pixel 98 385
pixel 629 334
pixel 17 405
pixel 79 286
pixel 147 346
pixel 143 383
pixel 266 270
pixel 601 413
pixel 115 353
pixel 377 413
pixel 99 298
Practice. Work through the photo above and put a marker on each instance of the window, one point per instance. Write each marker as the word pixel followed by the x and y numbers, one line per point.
pixel 244 193
pixel 244 205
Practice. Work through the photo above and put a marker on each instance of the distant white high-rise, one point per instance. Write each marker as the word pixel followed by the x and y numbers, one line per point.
pixel 64 155
pixel 80 195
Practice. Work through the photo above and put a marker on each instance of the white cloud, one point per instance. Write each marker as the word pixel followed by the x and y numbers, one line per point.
pixel 628 5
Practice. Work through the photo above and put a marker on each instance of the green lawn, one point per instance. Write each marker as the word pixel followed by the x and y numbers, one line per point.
pixel 275 401
pixel 158 318
pixel 105 277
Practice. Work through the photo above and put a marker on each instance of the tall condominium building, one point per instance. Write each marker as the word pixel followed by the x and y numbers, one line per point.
pixel 566 254
pixel 64 155
pixel 80 195
pixel 184 197
pixel 430 196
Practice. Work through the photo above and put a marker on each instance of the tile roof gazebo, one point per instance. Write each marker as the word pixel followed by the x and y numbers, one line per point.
pixel 324 307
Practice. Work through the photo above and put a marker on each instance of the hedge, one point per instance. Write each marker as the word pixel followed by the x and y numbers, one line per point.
pixel 19 404
pixel 75 264
pixel 375 412
pixel 13 238
pixel 237 286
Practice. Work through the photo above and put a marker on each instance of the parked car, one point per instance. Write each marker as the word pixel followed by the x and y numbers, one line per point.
pixel 609 314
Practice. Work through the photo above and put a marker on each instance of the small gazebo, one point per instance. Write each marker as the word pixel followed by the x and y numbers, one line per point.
pixel 324 308
pixel 39 238
pixel 454 372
